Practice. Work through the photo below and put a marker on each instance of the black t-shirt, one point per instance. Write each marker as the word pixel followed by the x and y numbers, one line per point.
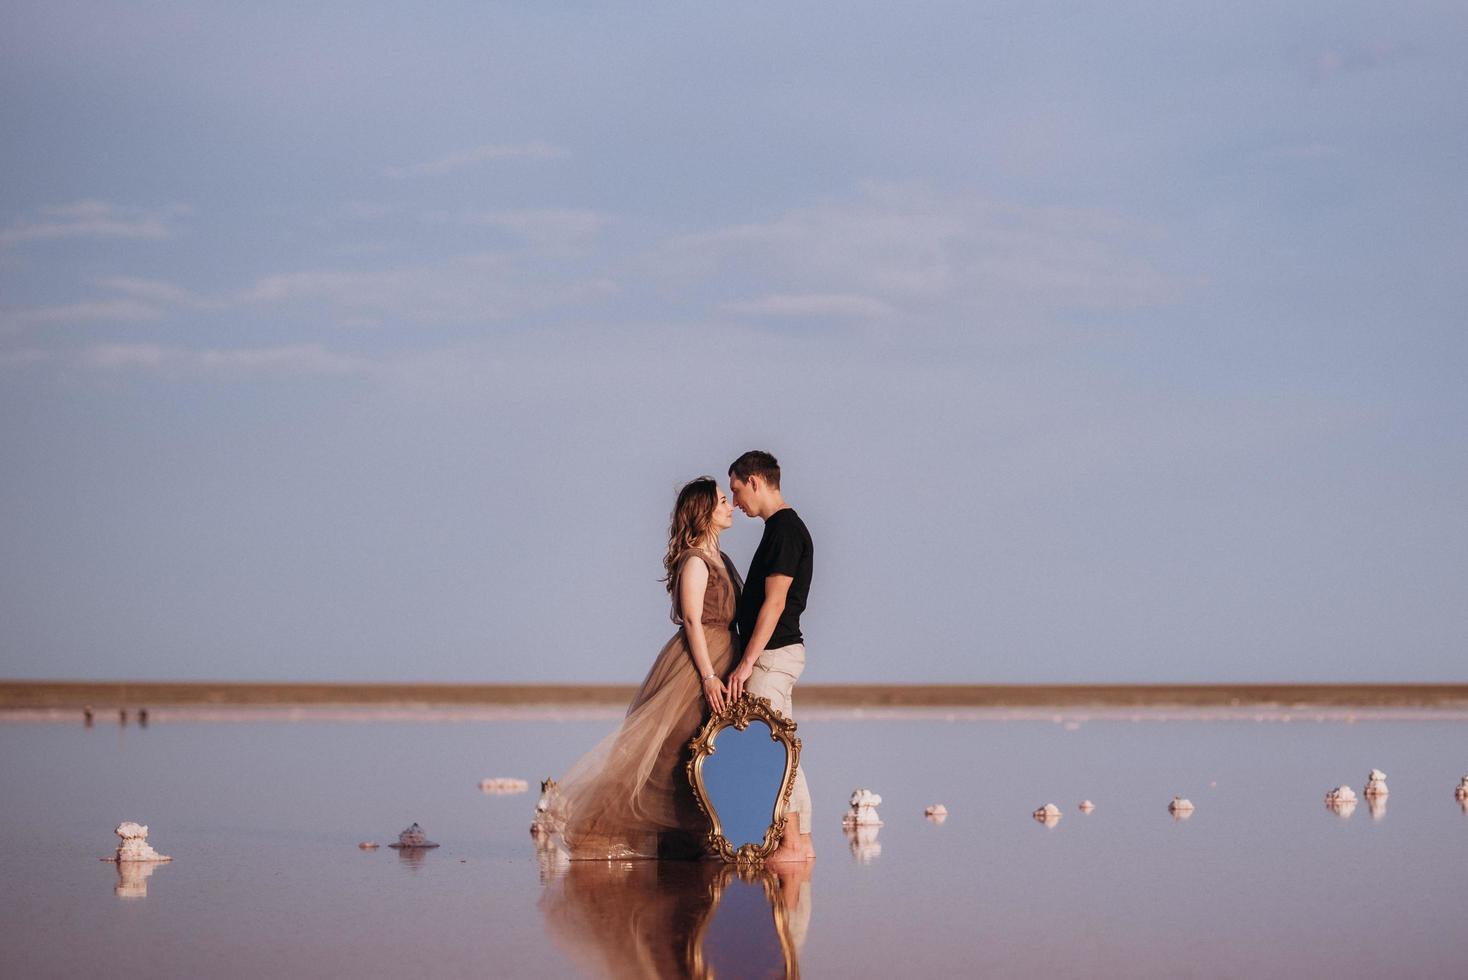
pixel 785 549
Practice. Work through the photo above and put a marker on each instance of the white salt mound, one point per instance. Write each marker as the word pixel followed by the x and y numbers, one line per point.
pixel 413 837
pixel 134 846
pixel 1342 801
pixel 863 811
pixel 1462 791
pixel 546 820
pixel 503 785
pixel 1180 805
pixel 1376 783
pixel 1087 806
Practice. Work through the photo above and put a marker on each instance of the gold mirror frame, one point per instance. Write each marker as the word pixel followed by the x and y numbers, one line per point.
pixel 738 715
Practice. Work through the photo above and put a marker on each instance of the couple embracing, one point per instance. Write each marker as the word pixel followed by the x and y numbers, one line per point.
pixel 629 797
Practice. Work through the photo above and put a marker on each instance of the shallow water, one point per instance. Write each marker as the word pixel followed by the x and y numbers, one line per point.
pixel 263 817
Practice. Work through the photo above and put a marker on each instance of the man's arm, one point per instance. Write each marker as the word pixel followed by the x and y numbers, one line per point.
pixel 777 587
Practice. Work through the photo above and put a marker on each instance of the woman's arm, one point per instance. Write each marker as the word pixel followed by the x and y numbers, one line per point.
pixel 693 581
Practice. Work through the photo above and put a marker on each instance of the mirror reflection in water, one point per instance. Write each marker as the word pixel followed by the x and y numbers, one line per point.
pixel 749 934
pixel 742 778
pixel 679 918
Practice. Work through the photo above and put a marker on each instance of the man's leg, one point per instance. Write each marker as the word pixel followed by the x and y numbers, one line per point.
pixel 774 677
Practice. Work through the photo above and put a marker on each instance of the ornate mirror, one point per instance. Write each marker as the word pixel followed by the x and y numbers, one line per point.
pixel 742 770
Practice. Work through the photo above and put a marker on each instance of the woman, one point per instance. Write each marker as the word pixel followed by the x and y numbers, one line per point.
pixel 629 797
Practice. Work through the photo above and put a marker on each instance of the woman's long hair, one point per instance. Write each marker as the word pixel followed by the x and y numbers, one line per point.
pixel 692 515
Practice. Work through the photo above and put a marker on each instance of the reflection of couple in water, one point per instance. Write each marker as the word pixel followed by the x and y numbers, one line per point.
pixel 630 797
pixel 680 918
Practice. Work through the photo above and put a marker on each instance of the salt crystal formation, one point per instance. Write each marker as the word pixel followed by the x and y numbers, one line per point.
pixel 1086 806
pixel 503 785
pixel 1462 791
pixel 368 845
pixel 1180 808
pixel 413 838
pixel 1049 814
pixel 134 846
pixel 1341 801
pixel 863 812
pixel 1375 784
pixel 544 823
pixel 936 813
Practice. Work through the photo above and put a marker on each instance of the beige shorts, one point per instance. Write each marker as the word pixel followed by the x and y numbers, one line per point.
pixel 774 677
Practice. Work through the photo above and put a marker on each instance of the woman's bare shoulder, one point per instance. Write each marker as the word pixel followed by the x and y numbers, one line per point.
pixel 693 562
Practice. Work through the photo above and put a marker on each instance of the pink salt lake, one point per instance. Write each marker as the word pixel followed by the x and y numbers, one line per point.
pixel 262 812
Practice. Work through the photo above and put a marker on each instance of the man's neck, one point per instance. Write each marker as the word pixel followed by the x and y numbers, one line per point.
pixel 776 504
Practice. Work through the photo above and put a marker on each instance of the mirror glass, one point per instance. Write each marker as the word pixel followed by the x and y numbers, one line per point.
pixel 742 778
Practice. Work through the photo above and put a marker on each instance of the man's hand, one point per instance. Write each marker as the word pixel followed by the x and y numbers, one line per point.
pixel 739 677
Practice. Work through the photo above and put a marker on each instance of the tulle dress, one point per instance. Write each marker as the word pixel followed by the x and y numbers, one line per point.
pixel 629 797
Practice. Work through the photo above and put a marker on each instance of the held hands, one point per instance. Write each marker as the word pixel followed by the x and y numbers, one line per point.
pixel 714 693
pixel 739 678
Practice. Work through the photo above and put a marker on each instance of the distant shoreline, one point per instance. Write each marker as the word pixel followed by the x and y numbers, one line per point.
pixel 25 694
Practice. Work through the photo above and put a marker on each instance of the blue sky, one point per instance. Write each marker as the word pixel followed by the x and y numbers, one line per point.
pixel 366 343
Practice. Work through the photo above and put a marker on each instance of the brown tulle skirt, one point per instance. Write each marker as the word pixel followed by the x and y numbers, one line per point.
pixel 629 797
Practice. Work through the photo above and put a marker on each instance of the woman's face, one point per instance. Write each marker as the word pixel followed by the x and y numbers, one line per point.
pixel 723 517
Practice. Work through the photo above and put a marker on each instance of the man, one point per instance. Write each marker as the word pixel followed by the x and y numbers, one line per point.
pixel 768 616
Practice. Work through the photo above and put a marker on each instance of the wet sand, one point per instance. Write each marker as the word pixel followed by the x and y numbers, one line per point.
pixel 47 694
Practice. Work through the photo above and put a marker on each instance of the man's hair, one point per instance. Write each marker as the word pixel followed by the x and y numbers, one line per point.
pixel 759 463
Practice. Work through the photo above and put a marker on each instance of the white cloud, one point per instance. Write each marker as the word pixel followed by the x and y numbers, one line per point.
pixel 93 220
pixel 295 359
pixel 150 290
pixel 87 311
pixel 812 305
pixel 471 288
pixel 141 299
pixel 464 159
pixel 543 227
pixel 910 248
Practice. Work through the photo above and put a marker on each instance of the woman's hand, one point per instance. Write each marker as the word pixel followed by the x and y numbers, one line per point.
pixel 714 693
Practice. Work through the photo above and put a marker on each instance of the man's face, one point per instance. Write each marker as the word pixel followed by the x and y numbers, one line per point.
pixel 743 493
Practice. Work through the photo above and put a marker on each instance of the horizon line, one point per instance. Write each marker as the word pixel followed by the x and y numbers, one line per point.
pixel 31 693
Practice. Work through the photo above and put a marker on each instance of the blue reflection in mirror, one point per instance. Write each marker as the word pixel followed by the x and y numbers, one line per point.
pixel 743 940
pixel 742 778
